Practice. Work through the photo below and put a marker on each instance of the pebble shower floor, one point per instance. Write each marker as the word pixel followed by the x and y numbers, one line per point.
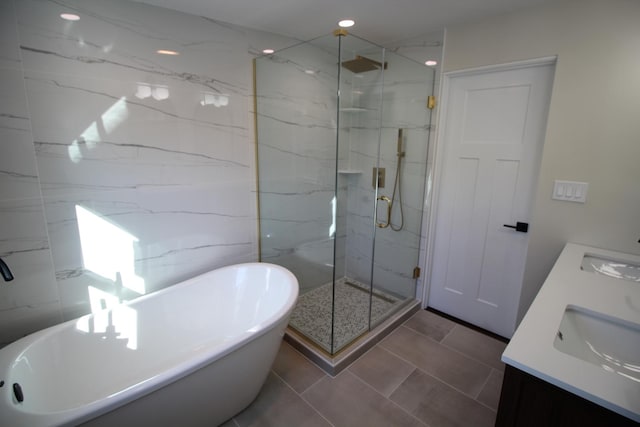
pixel 312 314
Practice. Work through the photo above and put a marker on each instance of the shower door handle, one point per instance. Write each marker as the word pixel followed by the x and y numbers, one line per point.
pixel 384 224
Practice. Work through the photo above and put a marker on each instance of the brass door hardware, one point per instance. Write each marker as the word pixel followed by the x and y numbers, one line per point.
pixel 385 224
pixel 431 102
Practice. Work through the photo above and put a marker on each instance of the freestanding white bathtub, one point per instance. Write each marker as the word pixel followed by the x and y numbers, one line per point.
pixel 193 354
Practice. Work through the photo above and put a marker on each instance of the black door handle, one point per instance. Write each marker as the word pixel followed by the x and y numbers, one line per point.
pixel 522 227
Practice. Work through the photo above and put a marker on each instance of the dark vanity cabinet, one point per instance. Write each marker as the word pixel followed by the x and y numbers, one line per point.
pixel 527 401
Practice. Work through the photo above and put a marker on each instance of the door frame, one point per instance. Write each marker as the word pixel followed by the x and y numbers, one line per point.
pixel 439 151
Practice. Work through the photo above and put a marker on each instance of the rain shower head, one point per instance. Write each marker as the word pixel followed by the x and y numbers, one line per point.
pixel 361 64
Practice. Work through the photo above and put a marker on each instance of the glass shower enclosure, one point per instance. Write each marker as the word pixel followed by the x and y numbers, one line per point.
pixel 342 134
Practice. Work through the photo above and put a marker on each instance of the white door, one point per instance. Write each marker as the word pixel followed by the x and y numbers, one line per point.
pixel 494 126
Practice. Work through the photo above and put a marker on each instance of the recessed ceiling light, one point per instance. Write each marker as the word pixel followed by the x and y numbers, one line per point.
pixel 431 63
pixel 346 23
pixel 268 51
pixel 69 16
pixel 167 52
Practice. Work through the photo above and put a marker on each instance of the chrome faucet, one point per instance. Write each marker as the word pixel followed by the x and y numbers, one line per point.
pixel 6 273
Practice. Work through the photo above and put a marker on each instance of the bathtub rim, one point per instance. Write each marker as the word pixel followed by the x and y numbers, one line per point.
pixel 197 361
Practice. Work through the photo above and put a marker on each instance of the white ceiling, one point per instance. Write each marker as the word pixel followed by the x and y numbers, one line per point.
pixel 380 21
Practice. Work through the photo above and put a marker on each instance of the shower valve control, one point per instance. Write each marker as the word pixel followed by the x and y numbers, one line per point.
pixel 377 179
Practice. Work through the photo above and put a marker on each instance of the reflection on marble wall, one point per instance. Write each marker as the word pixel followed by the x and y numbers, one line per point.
pixel 123 170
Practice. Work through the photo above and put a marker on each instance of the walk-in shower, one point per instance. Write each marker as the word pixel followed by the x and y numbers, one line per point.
pixel 333 115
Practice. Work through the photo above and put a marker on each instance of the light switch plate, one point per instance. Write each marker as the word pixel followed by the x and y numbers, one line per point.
pixel 570 191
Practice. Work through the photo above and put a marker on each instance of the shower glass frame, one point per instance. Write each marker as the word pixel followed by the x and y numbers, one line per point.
pixel 325 195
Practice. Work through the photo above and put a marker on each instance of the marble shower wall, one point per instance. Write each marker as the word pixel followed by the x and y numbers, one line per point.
pixel 297 151
pixel 123 171
pixel 426 47
pixel 402 93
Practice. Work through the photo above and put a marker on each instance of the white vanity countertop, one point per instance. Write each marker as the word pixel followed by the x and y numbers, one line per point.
pixel 531 349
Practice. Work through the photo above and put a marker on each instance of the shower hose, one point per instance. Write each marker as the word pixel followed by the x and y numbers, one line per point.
pixel 397 185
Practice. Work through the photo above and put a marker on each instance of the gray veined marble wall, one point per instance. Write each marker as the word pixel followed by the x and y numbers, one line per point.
pixel 122 170
pixel 297 125
pixel 296 96
pixel 403 92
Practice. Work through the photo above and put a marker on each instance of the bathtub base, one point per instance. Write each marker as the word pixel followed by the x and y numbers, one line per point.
pixel 207 397
pixel 333 365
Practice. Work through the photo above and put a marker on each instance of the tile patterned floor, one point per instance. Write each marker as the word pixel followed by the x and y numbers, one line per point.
pixel 428 372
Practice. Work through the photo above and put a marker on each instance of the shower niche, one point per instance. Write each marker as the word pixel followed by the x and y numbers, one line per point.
pixel 329 112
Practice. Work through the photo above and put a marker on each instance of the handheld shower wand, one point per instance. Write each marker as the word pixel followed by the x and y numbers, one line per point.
pixel 400 152
pixel 397 184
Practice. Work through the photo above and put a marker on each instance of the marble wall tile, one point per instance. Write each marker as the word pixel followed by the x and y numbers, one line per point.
pixel 106 136
pixel 9 46
pixel 294 109
pixel 404 94
pixel 159 149
pixel 31 300
pixel 427 46
pixel 18 170
pixel 21 321
pixel 296 131
pixel 120 36
pixel 100 137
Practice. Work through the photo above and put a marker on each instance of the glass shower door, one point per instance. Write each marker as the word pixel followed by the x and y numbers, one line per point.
pixel 361 79
pixel 295 95
pixel 384 135
pixel 404 149
pixel 342 139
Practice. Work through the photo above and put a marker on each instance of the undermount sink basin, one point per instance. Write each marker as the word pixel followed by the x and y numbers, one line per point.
pixel 618 269
pixel 610 343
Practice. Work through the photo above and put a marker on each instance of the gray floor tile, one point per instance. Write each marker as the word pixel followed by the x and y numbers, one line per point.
pixel 490 394
pixel 295 369
pixel 381 370
pixel 437 404
pixel 346 401
pixel 475 344
pixel 278 405
pixel 430 324
pixel 425 373
pixel 455 369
